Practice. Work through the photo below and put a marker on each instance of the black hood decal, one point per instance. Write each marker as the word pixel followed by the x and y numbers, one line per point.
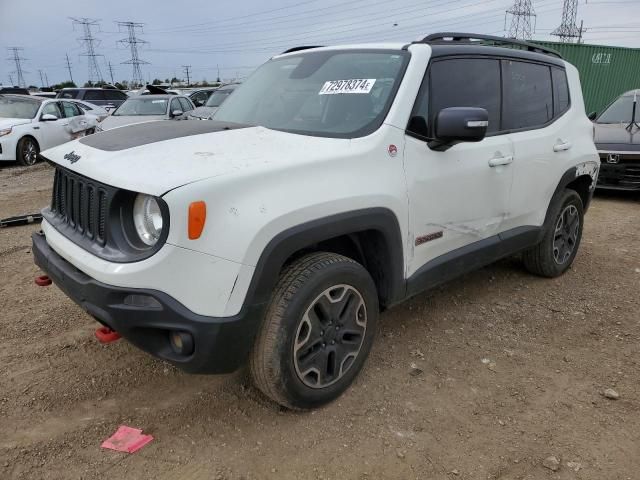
pixel 151 132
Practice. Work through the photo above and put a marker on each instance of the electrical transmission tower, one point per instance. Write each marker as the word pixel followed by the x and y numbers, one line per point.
pixel 18 59
pixel 132 41
pixel 568 31
pixel 90 43
pixel 69 67
pixel 521 13
pixel 111 73
pixel 187 73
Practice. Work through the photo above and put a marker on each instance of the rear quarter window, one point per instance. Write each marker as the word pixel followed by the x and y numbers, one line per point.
pixel 561 98
pixel 114 95
pixel 94 95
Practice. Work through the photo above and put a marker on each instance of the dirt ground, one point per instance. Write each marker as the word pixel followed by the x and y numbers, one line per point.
pixel 484 378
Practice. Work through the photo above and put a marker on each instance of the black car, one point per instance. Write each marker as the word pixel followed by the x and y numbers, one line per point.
pixel 107 98
pixel 617 138
pixel 14 90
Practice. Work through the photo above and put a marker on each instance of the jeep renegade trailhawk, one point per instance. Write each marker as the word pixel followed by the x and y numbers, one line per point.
pixel 333 184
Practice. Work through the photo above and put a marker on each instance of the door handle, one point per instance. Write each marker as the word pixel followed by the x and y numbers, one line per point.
pixel 562 146
pixel 497 161
pixel 65 124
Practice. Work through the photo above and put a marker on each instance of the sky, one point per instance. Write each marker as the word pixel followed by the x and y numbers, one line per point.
pixel 237 36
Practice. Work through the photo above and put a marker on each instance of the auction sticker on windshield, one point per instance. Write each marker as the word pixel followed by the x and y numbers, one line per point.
pixel 354 85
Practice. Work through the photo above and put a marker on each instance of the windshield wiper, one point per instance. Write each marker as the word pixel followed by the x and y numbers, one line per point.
pixel 633 113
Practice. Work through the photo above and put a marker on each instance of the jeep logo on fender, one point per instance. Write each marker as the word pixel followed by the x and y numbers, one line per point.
pixel 72 157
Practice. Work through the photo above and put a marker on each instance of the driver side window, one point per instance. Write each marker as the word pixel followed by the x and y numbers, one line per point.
pixel 52 109
pixel 457 82
pixel 175 105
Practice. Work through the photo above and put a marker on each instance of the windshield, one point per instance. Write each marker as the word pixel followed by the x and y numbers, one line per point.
pixel 620 111
pixel 142 106
pixel 219 96
pixel 334 93
pixel 11 107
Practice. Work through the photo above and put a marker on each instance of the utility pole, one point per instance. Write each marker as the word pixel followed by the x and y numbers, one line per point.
pixel 90 44
pixel 18 59
pixel 521 13
pixel 568 30
pixel 133 41
pixel 69 68
pixel 186 72
pixel 41 79
pixel 111 73
pixel 46 79
pixel 218 67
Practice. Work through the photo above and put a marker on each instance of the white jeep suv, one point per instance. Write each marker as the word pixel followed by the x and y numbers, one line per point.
pixel 334 183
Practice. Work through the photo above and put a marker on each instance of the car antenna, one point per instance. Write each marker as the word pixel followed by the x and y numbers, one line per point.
pixel 633 112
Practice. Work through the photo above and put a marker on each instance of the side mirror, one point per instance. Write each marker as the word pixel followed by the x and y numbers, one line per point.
pixel 459 124
pixel 592 116
pixel 48 117
pixel 176 113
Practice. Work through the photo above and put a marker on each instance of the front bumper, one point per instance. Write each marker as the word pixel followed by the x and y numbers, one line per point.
pixel 222 344
pixel 624 175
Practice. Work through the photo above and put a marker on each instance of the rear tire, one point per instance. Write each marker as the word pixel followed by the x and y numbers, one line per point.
pixel 317 331
pixel 27 151
pixel 555 253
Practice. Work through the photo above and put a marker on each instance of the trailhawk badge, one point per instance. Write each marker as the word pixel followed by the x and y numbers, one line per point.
pixel 72 157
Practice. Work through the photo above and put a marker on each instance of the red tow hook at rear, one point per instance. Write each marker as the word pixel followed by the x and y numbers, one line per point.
pixel 106 335
pixel 43 281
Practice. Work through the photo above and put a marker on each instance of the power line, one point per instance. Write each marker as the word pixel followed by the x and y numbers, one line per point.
pixel 18 59
pixel 133 41
pixel 568 31
pixel 69 68
pixel 521 13
pixel 90 43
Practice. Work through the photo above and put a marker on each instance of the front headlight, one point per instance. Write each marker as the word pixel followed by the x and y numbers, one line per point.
pixel 5 131
pixel 147 218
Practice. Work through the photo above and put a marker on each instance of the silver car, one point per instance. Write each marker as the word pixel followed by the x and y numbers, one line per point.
pixel 148 108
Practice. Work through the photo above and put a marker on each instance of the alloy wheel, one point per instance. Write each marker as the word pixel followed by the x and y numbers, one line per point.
pixel 329 336
pixel 566 234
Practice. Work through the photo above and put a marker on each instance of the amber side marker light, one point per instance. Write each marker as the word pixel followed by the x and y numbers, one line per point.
pixel 197 217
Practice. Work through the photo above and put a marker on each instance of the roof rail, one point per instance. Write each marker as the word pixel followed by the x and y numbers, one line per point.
pixel 448 37
pixel 303 47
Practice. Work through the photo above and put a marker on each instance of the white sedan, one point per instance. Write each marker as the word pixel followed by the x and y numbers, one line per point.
pixel 30 124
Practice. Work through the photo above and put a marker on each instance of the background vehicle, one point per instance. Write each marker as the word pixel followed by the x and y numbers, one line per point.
pixel 216 99
pixel 14 90
pixel 200 96
pixel 335 183
pixel 91 109
pixel 617 137
pixel 147 108
pixel 107 98
pixel 29 124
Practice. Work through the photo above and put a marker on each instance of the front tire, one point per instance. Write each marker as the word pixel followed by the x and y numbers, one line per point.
pixel 317 332
pixel 555 253
pixel 27 151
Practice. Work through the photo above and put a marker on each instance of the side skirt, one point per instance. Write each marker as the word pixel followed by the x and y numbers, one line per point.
pixel 472 257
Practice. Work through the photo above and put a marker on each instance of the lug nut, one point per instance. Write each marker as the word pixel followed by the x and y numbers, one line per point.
pixel 333 342
pixel 321 332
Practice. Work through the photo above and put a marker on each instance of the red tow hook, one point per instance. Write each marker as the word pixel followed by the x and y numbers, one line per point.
pixel 43 281
pixel 106 335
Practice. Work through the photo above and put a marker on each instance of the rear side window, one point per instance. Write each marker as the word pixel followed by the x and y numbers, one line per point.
pixel 561 100
pixel 93 95
pixel 114 95
pixel 71 109
pixel 466 82
pixel 528 95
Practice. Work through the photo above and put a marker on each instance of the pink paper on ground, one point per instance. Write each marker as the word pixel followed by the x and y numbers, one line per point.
pixel 127 439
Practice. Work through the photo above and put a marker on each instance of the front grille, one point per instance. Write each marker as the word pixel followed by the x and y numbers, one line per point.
pixel 623 174
pixel 81 205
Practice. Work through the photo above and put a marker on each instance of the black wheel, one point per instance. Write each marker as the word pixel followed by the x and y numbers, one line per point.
pixel 317 331
pixel 89 131
pixel 27 151
pixel 557 250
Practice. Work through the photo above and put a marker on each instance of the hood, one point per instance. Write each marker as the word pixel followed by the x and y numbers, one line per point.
pixel 121 121
pixel 157 157
pixel 616 137
pixel 203 112
pixel 12 122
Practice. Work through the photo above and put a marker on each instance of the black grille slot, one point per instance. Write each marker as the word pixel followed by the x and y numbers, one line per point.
pixel 82 205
